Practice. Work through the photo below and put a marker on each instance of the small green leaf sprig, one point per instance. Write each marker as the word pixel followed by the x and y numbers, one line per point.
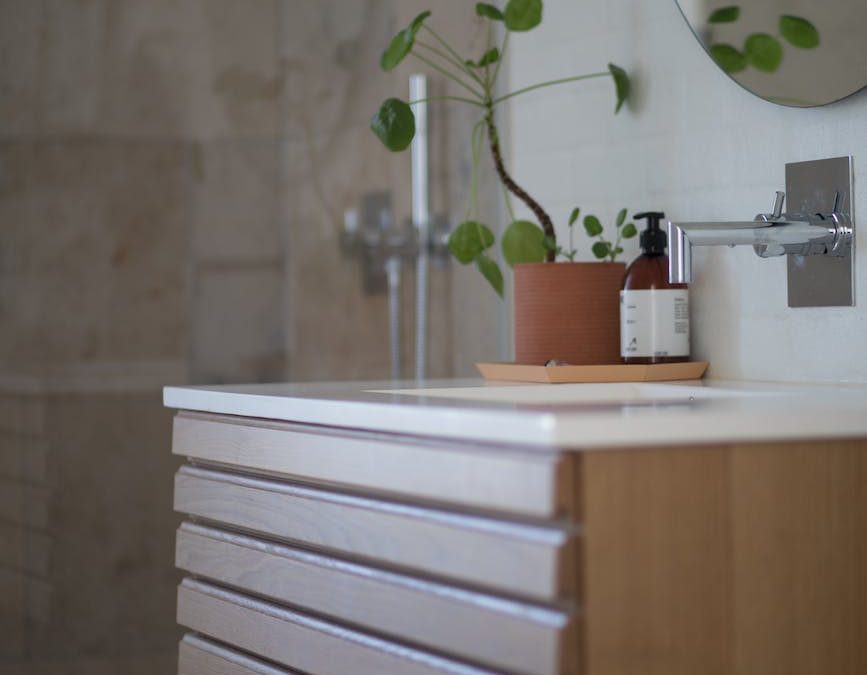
pixel 762 51
pixel 523 241
pixel 603 248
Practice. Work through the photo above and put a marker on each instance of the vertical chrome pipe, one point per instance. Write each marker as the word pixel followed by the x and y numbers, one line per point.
pixel 679 256
pixel 420 217
pixel 392 273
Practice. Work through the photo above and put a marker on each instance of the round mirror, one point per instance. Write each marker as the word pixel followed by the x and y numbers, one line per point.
pixel 793 52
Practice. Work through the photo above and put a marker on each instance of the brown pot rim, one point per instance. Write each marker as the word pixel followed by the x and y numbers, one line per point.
pixel 572 263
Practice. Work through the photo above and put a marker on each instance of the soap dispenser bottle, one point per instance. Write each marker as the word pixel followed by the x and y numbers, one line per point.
pixel 654 314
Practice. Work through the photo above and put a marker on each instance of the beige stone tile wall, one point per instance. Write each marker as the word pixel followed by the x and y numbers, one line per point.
pixel 333 86
pixel 158 144
pixel 95 236
pixel 85 531
pixel 173 181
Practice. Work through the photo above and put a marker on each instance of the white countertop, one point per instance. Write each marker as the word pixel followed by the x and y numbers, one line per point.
pixel 552 415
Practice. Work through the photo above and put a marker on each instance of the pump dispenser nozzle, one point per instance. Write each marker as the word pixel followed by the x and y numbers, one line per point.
pixel 653 239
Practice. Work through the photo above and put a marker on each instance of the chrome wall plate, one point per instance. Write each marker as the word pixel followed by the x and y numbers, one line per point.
pixel 815 187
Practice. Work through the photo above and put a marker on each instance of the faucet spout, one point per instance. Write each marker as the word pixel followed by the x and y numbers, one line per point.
pixel 816 234
pixel 679 256
pixel 770 234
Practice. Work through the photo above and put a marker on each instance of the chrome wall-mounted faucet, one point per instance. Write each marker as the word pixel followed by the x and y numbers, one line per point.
pixel 818 226
pixel 770 234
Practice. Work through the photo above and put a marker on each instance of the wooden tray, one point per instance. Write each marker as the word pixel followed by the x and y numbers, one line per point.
pixel 616 372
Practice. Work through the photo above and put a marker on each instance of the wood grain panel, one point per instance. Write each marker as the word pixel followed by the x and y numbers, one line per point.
pixel 800 558
pixel 744 559
pixel 482 628
pixel 526 483
pixel 300 641
pixel 198 656
pixel 528 560
pixel 657 560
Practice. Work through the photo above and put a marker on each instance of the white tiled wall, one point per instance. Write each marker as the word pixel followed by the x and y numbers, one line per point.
pixel 696 145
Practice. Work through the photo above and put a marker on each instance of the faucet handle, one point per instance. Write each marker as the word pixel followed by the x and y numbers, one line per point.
pixel 778 205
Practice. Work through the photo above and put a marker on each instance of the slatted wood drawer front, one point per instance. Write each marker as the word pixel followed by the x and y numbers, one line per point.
pixel 528 560
pixel 517 636
pixel 531 483
pixel 299 641
pixel 198 656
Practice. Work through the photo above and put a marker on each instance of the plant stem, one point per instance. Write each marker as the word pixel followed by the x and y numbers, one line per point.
pixel 448 98
pixel 445 57
pixel 499 61
pixel 508 199
pixel 487 85
pixel 445 44
pixel 514 188
pixel 449 75
pixel 550 83
pixel 476 141
pixel 472 208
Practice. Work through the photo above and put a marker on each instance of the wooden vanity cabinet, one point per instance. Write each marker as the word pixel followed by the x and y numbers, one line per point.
pixel 322 550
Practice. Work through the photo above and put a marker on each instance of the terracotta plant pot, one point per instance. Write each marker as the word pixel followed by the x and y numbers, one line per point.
pixel 568 311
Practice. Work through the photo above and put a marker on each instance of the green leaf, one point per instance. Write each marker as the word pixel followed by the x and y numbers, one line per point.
pixel 397 49
pixel 799 32
pixel 522 15
pixel 522 243
pixel 763 51
pixel 592 226
pixel 549 243
pixel 574 216
pixel 416 23
pixel 402 43
pixel 628 231
pixel 488 11
pixel 728 58
pixel 468 240
pixel 394 124
pixel 622 85
pixel 725 14
pixel 601 249
pixel 491 271
pixel 490 56
pixel 621 216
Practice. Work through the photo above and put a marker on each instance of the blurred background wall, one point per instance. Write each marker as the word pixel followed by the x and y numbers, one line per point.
pixel 174 176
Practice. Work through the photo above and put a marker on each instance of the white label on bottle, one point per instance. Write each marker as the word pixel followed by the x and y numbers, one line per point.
pixel 654 322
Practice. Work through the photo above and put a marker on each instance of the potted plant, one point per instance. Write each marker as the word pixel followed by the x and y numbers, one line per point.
pixel 548 322
pixel 570 311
